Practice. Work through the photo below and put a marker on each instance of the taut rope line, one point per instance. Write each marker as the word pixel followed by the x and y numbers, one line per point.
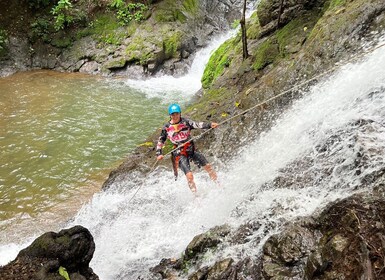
pixel 268 100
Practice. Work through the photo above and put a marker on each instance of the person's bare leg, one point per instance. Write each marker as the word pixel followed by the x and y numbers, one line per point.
pixel 190 181
pixel 211 172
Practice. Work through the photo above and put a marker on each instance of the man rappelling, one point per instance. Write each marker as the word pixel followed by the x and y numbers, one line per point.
pixel 178 131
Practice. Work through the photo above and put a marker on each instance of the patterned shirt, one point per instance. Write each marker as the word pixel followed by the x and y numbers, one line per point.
pixel 178 133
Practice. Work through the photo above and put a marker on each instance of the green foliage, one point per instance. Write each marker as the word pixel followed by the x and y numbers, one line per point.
pixel 218 62
pixel 41 29
pixel 126 12
pixel 235 24
pixel 62 14
pixel 63 272
pixel 36 4
pixel 106 29
pixel 3 42
pixel 171 44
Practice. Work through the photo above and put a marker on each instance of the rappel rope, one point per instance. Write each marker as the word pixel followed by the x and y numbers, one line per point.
pixel 266 101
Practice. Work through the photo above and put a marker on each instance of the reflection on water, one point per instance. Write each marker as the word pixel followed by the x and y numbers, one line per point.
pixel 60 134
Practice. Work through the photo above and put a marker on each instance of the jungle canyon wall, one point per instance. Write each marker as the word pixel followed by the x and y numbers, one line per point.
pixel 95 38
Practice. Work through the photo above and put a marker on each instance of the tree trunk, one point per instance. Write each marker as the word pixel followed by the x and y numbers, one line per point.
pixel 280 14
pixel 244 35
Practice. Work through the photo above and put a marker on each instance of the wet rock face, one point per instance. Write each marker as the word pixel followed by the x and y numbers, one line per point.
pixel 171 268
pixel 360 139
pixel 275 13
pixel 70 249
pixel 346 242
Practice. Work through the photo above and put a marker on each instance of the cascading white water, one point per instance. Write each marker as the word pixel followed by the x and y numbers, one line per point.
pixel 183 87
pixel 163 217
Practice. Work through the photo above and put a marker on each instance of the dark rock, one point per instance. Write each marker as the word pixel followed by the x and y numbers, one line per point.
pixel 345 243
pixel 71 249
pixel 273 14
pixel 202 242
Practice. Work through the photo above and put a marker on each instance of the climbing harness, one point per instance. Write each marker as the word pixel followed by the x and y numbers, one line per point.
pixel 175 156
pixel 267 101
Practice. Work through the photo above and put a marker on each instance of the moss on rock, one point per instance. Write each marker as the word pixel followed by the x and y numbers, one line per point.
pixel 176 11
pixel 218 62
pixel 172 43
pixel 266 53
pixel 115 63
pixel 105 29
pixel 291 36
pixel 253 27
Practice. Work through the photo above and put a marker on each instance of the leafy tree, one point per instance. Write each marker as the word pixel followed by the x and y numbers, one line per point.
pixel 126 12
pixel 62 14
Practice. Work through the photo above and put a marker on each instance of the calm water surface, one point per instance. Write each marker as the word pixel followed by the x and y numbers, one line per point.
pixel 60 136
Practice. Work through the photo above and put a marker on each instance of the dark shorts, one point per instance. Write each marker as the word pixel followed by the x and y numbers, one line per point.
pixel 196 157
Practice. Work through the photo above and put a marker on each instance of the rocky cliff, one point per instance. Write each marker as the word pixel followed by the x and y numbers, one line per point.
pixel 163 43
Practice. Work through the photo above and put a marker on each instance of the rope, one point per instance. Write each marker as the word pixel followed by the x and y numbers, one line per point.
pixel 266 101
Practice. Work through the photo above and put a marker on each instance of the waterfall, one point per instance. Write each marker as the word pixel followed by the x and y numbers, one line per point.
pixel 176 89
pixel 180 89
pixel 163 217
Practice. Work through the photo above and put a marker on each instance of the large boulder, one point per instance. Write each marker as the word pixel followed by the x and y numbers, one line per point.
pixel 54 256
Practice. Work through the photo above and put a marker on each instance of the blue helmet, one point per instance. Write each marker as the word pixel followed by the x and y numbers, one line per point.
pixel 174 108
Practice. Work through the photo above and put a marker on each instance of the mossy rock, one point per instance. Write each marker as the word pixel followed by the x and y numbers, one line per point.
pixel 339 19
pixel 172 43
pixel 176 11
pixel 336 3
pixel 61 42
pixel 115 63
pixel 106 29
pixel 141 50
pixel 205 241
pixel 144 47
pixel 253 27
pixel 292 36
pixel 213 104
pixel 263 12
pixel 266 53
pixel 219 61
